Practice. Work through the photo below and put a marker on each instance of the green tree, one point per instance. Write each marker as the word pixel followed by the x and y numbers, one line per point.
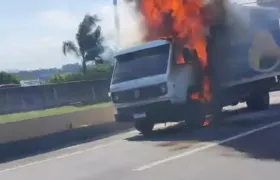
pixel 57 78
pixel 6 78
pixel 89 41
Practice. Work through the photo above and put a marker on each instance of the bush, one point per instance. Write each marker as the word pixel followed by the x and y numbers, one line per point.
pixel 6 78
pixel 99 71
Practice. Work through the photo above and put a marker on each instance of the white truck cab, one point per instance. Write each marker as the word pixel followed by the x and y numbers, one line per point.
pixel 148 86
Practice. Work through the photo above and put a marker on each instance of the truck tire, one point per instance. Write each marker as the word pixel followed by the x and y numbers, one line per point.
pixel 144 126
pixel 258 102
pixel 196 115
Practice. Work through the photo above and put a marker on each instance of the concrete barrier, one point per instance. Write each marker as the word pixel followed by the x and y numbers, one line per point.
pixel 23 99
pixel 28 129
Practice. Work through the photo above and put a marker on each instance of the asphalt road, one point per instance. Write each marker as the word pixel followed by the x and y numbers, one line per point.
pixel 247 146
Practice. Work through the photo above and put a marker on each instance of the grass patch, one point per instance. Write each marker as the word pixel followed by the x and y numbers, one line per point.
pixel 47 112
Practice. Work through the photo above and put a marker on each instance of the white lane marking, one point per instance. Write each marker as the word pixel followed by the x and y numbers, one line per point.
pixel 187 153
pixel 60 157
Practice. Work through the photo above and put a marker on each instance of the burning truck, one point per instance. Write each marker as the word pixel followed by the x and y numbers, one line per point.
pixel 197 59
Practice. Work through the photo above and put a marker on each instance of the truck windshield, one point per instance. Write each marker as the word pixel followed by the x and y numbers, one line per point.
pixel 144 63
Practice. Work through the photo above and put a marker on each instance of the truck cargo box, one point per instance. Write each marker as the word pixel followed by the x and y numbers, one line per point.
pixel 246 47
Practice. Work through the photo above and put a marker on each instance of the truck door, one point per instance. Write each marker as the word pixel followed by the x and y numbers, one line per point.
pixel 190 57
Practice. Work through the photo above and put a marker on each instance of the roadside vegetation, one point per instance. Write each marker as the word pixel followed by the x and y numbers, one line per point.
pixel 47 112
pixel 99 71
pixel 7 78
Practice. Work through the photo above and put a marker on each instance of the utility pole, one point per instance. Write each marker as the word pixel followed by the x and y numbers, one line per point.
pixel 117 23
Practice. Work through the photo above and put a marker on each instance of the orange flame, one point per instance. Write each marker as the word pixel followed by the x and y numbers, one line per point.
pixel 183 21
pixel 180 60
pixel 206 123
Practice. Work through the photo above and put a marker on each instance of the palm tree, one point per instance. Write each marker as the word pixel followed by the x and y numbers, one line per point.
pixel 89 41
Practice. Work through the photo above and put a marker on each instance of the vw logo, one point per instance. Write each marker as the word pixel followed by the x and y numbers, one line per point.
pixel 136 94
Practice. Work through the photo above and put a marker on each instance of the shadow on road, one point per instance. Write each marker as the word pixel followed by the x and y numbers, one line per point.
pixel 31 147
pixel 261 145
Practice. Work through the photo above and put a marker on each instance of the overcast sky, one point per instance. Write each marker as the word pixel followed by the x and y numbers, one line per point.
pixel 32 31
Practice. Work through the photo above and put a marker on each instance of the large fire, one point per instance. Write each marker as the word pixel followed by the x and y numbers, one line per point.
pixel 182 20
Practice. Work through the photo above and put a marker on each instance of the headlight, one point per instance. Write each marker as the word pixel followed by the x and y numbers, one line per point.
pixel 109 94
pixel 163 88
pixel 115 97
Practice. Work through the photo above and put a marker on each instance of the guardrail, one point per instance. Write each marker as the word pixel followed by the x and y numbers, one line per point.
pixel 20 99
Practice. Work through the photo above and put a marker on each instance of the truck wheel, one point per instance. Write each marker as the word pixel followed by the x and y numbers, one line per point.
pixel 196 115
pixel 144 126
pixel 258 102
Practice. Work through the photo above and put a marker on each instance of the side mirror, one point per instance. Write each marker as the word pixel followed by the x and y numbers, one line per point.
pixel 186 56
pixel 189 55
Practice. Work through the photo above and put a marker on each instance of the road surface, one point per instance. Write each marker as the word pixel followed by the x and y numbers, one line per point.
pixel 246 147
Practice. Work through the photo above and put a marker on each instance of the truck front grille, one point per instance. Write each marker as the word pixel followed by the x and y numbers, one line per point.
pixel 132 96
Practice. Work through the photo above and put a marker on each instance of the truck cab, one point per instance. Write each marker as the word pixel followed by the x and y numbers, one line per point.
pixel 149 86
